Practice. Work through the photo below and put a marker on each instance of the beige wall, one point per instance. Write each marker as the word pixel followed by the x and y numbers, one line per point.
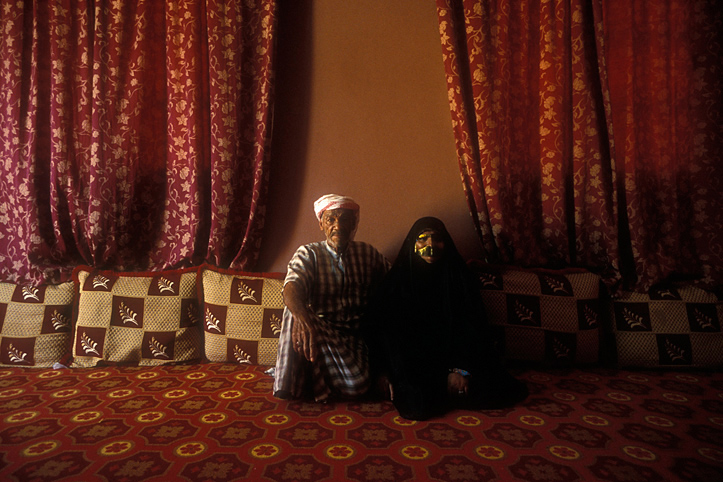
pixel 362 110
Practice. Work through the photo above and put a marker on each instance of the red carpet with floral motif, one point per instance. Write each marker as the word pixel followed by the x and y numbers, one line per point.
pixel 216 422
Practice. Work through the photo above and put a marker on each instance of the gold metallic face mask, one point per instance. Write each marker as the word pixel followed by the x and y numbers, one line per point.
pixel 426 251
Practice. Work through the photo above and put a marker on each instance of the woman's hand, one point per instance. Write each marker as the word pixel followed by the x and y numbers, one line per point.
pixel 457 384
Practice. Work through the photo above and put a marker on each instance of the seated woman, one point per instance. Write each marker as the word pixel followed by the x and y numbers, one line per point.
pixel 429 333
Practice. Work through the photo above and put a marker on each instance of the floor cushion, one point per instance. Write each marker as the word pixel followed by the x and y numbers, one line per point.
pixel 667 327
pixel 35 324
pixel 550 316
pixel 136 318
pixel 242 313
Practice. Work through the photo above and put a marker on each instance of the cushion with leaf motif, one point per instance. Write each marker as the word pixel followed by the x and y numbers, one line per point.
pixel 242 314
pixel 136 318
pixel 35 324
pixel 550 316
pixel 669 326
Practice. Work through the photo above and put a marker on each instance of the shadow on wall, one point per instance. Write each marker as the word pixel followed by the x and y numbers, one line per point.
pixel 291 123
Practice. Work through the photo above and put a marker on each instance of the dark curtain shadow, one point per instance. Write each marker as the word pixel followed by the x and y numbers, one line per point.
pixel 291 124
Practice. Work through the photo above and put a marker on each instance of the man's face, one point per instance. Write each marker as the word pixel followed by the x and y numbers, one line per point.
pixel 338 226
pixel 429 245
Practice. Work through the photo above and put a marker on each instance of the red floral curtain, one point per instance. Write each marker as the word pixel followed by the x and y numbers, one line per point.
pixel 135 134
pixel 559 128
pixel 665 73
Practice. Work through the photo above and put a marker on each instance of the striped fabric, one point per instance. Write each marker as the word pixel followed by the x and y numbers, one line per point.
pixel 338 289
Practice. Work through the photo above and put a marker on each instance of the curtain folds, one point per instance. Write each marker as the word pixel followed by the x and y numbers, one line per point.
pixel 588 133
pixel 135 134
pixel 665 71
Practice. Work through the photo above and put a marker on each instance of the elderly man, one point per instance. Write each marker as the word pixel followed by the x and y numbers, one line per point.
pixel 326 291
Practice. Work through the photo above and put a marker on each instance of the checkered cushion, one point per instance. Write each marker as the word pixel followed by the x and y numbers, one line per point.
pixel 668 327
pixel 543 315
pixel 35 324
pixel 242 315
pixel 136 318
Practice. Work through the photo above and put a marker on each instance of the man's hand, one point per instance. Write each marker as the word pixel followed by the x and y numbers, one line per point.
pixel 303 331
pixel 303 334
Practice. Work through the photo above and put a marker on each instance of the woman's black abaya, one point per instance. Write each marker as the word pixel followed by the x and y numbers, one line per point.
pixel 427 319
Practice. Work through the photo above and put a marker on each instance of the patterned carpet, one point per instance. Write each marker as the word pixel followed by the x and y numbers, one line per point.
pixel 218 422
